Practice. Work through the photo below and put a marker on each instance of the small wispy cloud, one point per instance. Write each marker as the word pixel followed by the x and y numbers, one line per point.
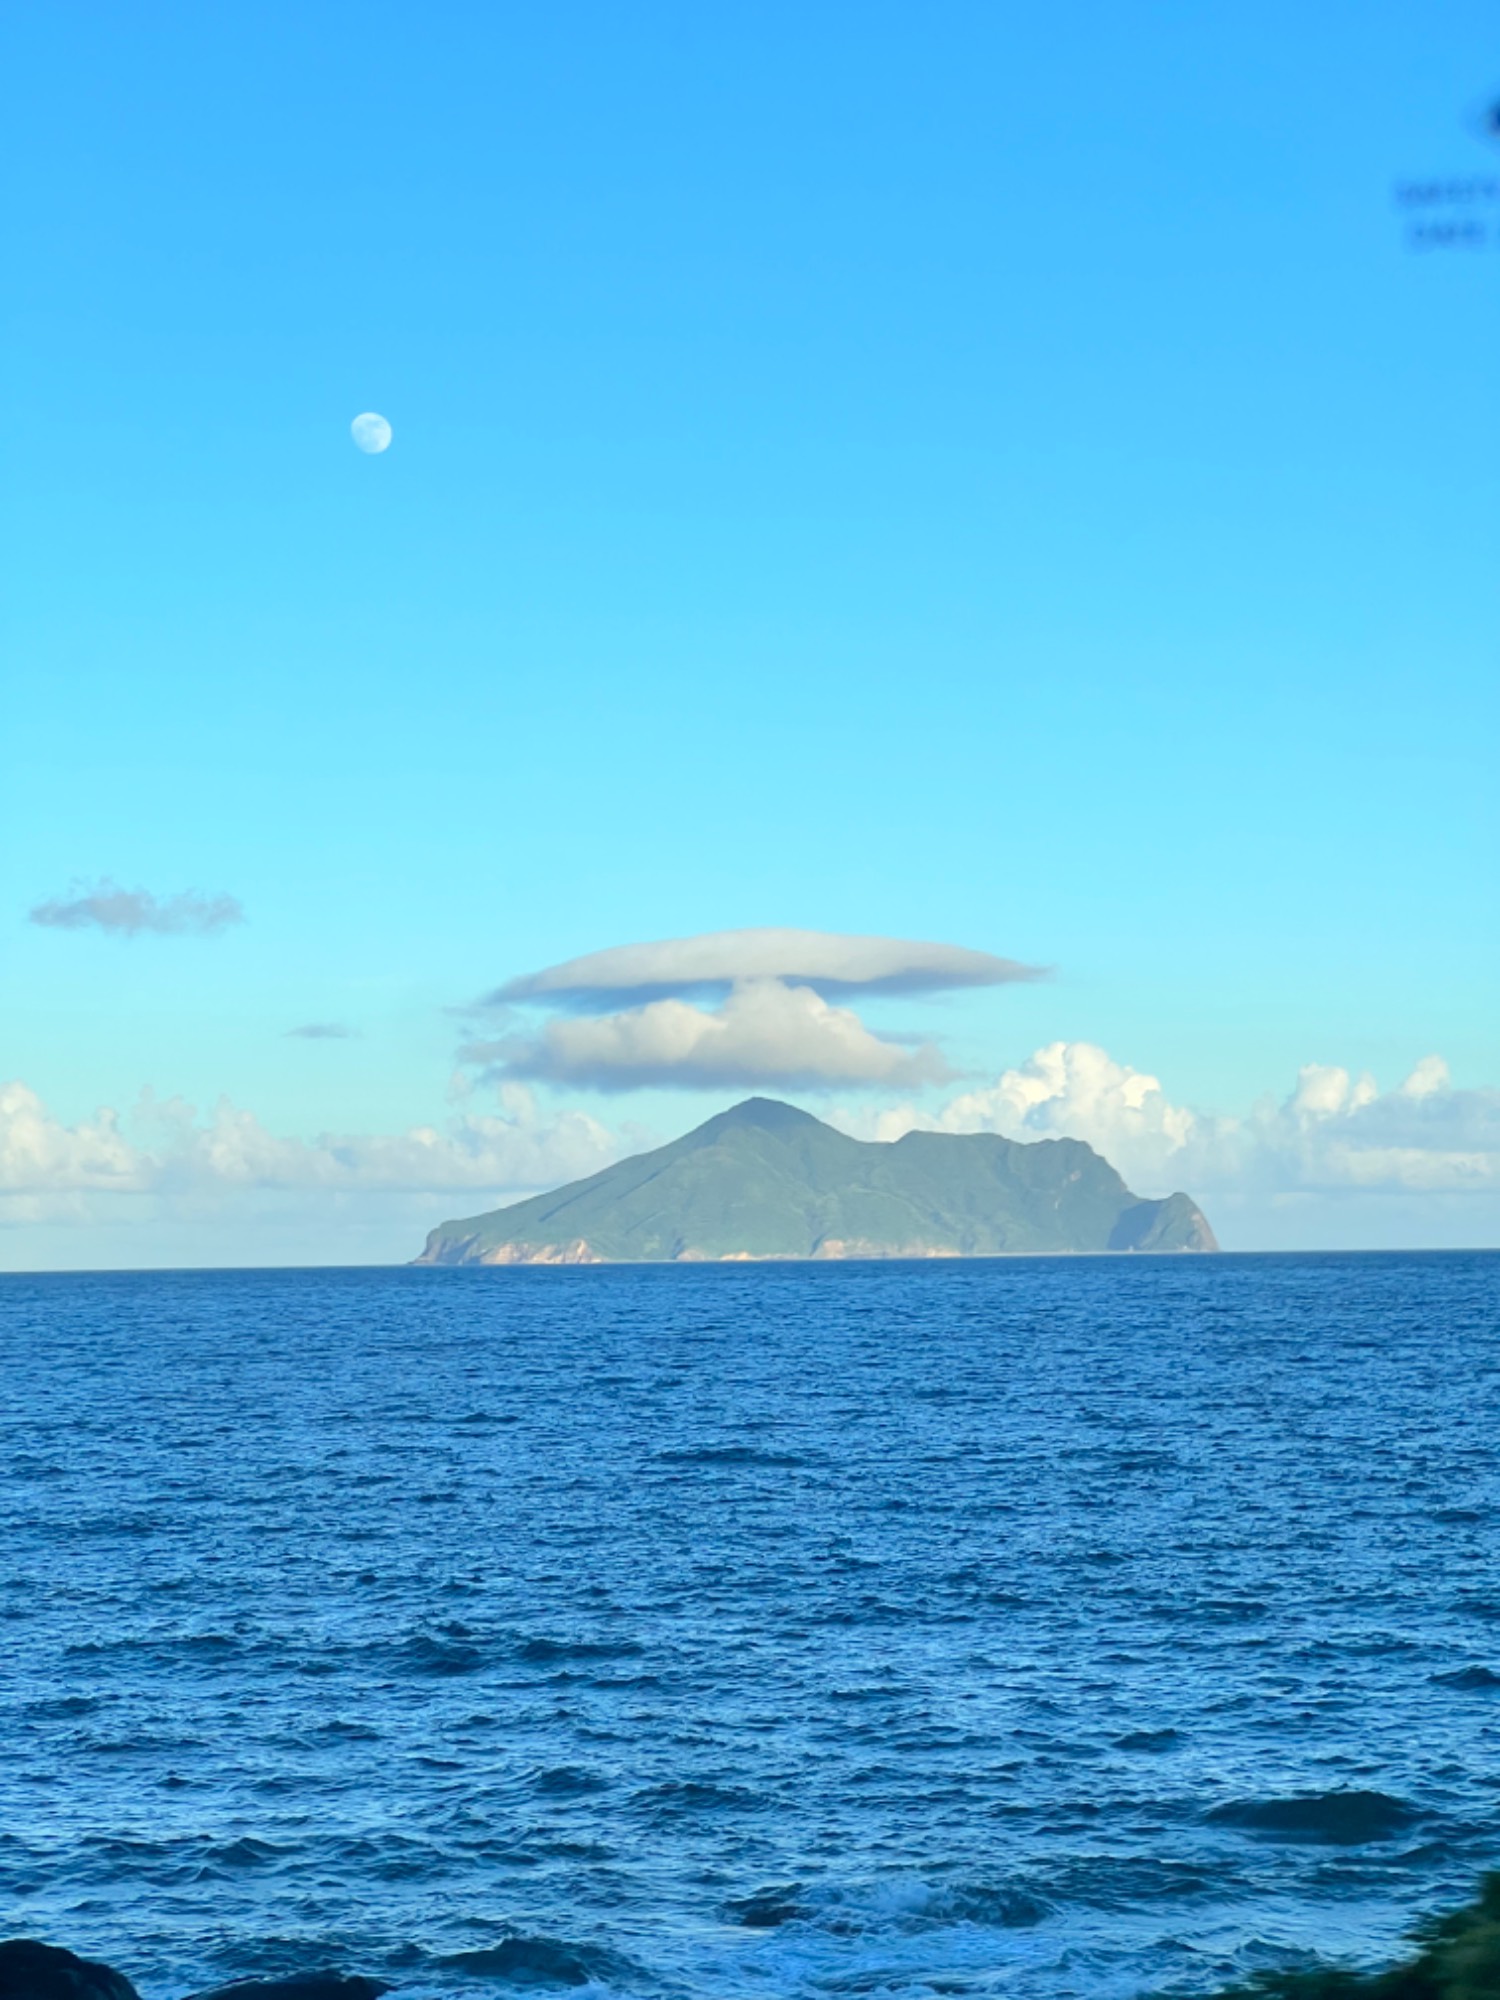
pixel 321 1031
pixel 131 912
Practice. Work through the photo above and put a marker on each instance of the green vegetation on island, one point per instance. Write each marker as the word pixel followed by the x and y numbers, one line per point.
pixel 1457 1958
pixel 765 1180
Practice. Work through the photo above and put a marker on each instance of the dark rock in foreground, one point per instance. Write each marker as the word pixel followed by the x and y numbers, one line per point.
pixel 768 1181
pixel 33 1971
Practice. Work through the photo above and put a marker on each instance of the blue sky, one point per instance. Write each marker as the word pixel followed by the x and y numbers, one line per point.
pixel 925 473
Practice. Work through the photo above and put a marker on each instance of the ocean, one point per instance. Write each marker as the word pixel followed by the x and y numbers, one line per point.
pixel 1049 1627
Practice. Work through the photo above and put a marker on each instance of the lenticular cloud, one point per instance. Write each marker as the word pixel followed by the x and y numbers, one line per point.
pixel 776 1022
pixel 715 961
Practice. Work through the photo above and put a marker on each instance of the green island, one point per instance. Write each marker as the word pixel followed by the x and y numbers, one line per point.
pixel 767 1181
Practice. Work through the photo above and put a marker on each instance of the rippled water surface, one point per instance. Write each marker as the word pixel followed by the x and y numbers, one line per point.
pixel 1055 1627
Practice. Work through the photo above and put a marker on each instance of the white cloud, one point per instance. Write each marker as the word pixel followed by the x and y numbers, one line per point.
pixel 128 912
pixel 1334 1134
pixel 638 1015
pixel 716 961
pixel 1069 1086
pixel 1427 1079
pixel 39 1153
pixel 764 1034
pixel 165 1147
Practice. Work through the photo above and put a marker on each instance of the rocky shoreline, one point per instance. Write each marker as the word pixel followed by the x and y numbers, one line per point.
pixel 1457 1957
pixel 30 1970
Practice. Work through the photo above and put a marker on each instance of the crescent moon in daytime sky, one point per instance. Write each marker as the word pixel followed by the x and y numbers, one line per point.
pixel 370 432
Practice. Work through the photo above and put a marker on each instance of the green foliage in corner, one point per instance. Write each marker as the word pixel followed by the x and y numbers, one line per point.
pixel 1457 1958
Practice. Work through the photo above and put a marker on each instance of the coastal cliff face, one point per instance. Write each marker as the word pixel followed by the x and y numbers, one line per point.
pixel 766 1181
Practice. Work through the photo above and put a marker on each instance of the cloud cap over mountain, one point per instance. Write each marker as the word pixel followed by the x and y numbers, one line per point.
pixel 764 1033
pixel 776 1021
pixel 714 962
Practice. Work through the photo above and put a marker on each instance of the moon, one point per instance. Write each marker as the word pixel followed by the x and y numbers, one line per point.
pixel 370 432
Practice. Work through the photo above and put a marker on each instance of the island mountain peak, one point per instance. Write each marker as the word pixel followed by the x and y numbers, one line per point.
pixel 765 1180
pixel 768 1113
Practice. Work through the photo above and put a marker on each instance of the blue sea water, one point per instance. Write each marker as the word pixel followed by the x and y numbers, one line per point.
pixel 1054 1627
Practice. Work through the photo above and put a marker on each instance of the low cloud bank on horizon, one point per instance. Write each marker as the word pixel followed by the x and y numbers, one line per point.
pixel 130 912
pixel 1333 1133
pixel 1337 1157
pixel 630 1017
pixel 164 1146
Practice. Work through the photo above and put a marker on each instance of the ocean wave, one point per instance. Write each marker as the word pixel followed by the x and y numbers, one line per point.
pixel 561 1781
pixel 1335 1819
pixel 519 1960
pixel 301 1986
pixel 245 1852
pixel 998 1905
pixel 891 1904
pixel 426 1653
pixel 380 1857
pixel 690 1797
pixel 1129 1882
pixel 1468 1680
pixel 731 1455
pixel 767 1909
pixel 543 1651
